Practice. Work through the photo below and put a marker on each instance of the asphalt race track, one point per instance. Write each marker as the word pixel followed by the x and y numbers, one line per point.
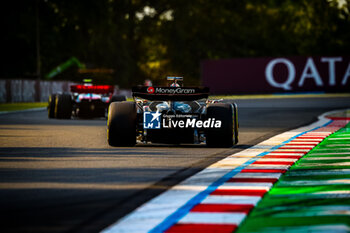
pixel 61 175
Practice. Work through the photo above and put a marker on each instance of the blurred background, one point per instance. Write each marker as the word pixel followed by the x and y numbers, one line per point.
pixel 124 42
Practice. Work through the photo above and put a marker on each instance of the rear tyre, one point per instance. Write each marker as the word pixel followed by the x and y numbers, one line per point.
pixel 121 124
pixel 51 106
pixel 223 136
pixel 64 106
pixel 118 98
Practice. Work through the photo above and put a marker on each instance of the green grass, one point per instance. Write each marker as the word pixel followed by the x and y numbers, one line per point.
pixel 7 107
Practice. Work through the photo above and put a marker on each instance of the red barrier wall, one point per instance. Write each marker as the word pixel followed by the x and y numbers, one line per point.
pixel 276 75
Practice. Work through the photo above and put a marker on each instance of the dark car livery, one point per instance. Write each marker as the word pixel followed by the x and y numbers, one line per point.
pixel 174 115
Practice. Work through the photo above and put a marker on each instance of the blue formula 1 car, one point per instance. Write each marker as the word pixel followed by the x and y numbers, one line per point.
pixel 172 115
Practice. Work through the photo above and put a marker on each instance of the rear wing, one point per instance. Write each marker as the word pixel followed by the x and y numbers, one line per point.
pixel 96 89
pixel 171 93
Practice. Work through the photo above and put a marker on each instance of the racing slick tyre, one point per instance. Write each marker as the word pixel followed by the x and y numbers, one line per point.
pixel 51 106
pixel 118 98
pixel 121 124
pixel 223 136
pixel 63 108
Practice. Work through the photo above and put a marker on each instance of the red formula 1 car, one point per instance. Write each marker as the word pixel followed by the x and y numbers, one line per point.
pixel 84 100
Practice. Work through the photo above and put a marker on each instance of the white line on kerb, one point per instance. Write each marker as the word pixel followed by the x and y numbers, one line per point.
pixel 212 218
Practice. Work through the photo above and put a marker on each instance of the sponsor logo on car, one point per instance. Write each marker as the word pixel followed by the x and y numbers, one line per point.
pixel 160 90
pixel 192 123
pixel 150 90
pixel 152 120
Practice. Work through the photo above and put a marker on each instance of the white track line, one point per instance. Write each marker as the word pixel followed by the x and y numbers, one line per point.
pixel 217 199
pixel 317 182
pixel 326 158
pixel 213 218
pixel 255 186
pixel 319 172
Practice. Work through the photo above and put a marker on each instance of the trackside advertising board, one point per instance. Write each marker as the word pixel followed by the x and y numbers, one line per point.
pixel 277 75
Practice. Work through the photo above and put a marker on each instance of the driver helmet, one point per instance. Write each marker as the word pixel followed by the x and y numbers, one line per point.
pixel 175 84
pixel 175 81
